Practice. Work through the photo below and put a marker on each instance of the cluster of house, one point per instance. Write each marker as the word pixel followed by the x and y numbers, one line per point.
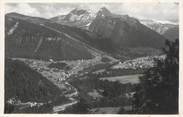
pixel 139 63
pixel 17 102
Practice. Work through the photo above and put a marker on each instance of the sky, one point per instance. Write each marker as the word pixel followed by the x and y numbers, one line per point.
pixel 155 11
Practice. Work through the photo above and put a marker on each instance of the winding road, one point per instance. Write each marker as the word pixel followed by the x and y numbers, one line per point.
pixel 71 96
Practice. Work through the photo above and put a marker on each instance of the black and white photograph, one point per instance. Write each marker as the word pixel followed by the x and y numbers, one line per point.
pixel 91 58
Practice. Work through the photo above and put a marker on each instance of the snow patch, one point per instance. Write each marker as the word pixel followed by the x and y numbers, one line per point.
pixel 87 25
pixel 10 32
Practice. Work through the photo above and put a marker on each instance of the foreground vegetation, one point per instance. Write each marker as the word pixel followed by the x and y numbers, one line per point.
pixel 158 90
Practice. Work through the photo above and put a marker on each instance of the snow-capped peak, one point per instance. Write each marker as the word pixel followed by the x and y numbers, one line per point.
pixel 80 15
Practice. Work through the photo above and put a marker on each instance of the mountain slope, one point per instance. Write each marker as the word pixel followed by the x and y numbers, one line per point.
pixel 27 91
pixel 125 37
pixel 172 34
pixel 28 37
pixel 124 31
pixel 26 84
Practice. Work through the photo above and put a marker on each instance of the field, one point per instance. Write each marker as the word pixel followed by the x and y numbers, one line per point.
pixel 133 79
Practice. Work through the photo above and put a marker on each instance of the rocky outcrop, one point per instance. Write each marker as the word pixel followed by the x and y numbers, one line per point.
pixel 77 17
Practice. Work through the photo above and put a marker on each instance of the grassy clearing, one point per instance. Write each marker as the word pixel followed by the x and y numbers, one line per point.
pixel 133 79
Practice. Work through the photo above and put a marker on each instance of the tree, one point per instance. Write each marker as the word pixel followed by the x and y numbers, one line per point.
pixel 9 108
pixel 158 90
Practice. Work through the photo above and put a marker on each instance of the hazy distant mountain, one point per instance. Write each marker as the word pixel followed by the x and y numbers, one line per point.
pixel 167 29
pixel 77 17
pixel 30 37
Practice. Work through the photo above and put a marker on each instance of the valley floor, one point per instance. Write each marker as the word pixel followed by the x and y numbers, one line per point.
pixel 92 80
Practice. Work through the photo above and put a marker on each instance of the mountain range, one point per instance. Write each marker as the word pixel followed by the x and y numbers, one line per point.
pixel 82 18
pixel 124 31
pixel 80 34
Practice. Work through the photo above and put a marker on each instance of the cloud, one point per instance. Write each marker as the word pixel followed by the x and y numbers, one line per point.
pixel 51 10
pixel 22 8
pixel 156 11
